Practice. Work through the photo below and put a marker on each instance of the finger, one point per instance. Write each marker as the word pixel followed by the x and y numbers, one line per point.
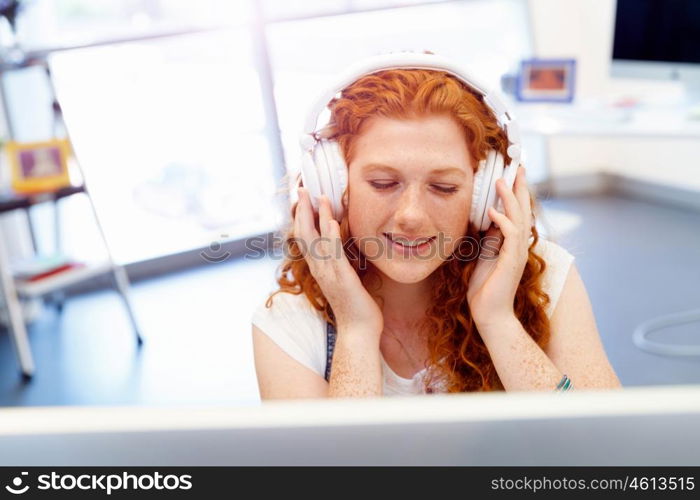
pixel 505 225
pixel 337 244
pixel 324 214
pixel 333 229
pixel 494 232
pixel 331 246
pixel 510 202
pixel 307 230
pixel 332 232
pixel 492 242
pixel 512 244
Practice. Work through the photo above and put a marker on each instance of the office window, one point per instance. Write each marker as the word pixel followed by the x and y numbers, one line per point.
pixel 276 10
pixel 57 23
pixel 170 134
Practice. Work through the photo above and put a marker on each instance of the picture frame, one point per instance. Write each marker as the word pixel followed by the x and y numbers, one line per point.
pixel 546 80
pixel 38 167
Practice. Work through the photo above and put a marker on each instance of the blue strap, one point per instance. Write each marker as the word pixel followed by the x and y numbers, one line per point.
pixel 330 346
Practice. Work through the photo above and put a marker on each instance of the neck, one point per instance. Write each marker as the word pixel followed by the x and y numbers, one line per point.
pixel 404 304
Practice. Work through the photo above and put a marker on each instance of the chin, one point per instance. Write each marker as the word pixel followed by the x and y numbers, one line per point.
pixel 407 272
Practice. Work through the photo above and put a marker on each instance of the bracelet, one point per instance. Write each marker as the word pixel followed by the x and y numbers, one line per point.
pixel 564 384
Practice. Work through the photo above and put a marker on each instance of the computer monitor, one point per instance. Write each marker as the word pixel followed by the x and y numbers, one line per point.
pixel 638 426
pixel 658 39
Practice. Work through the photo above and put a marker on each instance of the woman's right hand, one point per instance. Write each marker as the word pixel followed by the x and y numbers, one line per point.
pixel 353 307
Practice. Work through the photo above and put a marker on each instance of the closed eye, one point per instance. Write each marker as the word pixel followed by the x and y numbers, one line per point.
pixel 445 189
pixel 382 185
pixel 437 187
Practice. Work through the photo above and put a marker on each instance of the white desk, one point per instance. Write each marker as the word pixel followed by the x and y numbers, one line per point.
pixel 637 426
pixel 658 145
pixel 596 120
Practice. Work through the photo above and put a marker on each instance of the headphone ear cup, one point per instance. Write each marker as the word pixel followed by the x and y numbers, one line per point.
pixel 483 180
pixel 339 175
pixel 323 169
pixel 509 173
pixel 476 193
pixel 491 196
pixel 309 176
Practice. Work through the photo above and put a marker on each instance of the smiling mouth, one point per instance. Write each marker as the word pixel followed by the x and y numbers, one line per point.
pixel 420 242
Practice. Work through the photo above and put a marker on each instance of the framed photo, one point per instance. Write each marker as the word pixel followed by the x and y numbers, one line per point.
pixel 546 80
pixel 38 167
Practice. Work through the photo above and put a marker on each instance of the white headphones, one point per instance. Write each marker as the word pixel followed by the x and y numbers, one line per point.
pixel 323 167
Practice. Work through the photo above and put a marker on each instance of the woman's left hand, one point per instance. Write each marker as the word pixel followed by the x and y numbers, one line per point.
pixel 503 256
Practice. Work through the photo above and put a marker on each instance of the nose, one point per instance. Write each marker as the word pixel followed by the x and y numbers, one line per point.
pixel 410 210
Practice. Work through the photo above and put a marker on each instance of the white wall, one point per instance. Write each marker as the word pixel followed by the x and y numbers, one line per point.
pixel 583 29
pixel 576 28
pixel 664 161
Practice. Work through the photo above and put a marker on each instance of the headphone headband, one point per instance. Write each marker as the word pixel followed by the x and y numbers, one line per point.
pixel 408 60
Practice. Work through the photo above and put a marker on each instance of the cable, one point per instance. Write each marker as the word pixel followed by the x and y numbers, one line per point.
pixel 654 347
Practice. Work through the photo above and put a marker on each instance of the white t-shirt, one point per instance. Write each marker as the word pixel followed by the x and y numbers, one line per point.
pixel 300 330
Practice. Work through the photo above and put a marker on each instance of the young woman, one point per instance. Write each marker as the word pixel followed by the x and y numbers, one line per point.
pixel 392 299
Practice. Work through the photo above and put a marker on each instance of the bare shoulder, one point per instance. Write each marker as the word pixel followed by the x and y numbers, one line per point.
pixel 279 375
pixel 553 253
pixel 545 245
pixel 575 345
pixel 558 261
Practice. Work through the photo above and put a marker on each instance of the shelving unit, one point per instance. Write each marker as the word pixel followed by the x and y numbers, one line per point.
pixel 15 290
pixel 62 280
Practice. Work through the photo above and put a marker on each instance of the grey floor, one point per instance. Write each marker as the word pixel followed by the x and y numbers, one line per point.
pixel 638 260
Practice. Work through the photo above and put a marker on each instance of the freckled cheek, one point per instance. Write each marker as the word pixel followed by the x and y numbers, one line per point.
pixel 367 218
pixel 364 227
pixel 455 223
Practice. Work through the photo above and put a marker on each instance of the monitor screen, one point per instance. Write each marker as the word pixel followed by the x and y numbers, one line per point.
pixel 657 30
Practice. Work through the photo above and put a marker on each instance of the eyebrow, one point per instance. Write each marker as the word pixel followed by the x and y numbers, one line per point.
pixel 438 171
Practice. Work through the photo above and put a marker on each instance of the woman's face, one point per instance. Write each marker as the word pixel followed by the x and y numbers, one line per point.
pixel 410 180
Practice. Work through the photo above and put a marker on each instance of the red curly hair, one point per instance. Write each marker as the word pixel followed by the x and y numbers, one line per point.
pixel 457 352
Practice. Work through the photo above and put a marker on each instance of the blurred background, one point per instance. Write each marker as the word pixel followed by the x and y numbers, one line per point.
pixel 184 117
